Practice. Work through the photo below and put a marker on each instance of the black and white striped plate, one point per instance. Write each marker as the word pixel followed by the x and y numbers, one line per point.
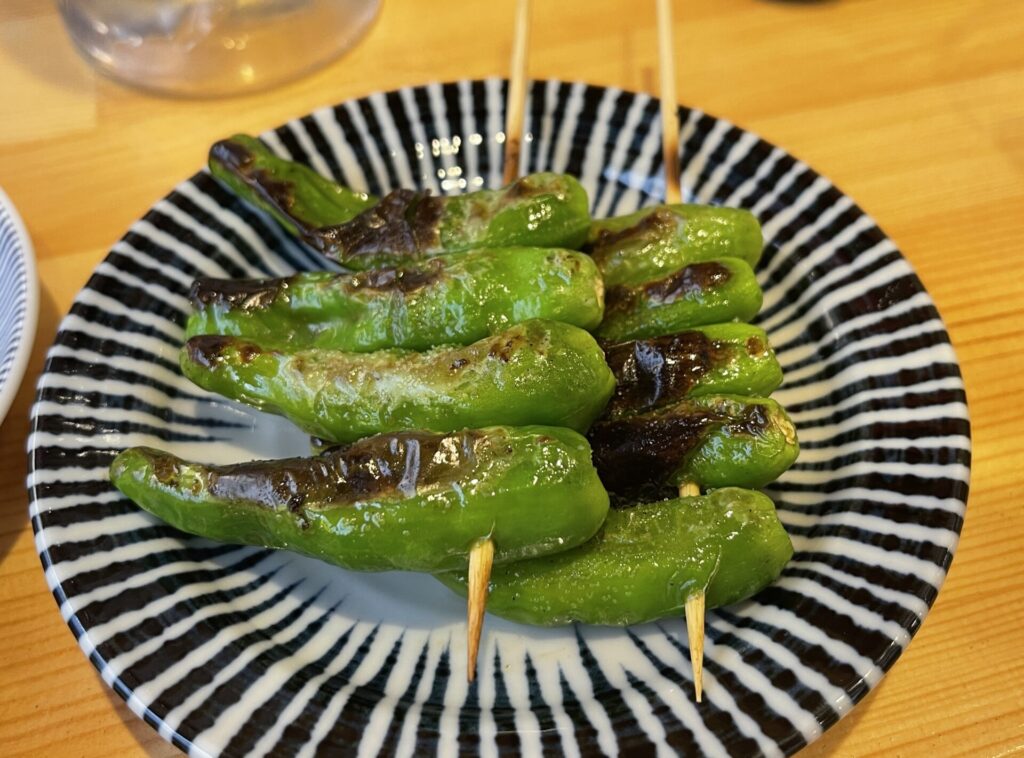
pixel 231 650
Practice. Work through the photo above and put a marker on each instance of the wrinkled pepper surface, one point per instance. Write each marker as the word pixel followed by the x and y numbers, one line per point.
pixel 730 359
pixel 645 562
pixel 711 292
pixel 712 441
pixel 453 299
pixel 537 372
pixel 654 242
pixel 295 195
pixel 538 210
pixel 397 501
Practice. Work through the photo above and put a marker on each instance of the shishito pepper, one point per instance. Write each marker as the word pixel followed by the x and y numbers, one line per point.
pixel 537 372
pixel 409 500
pixel 654 242
pixel 645 562
pixel 295 195
pixel 453 299
pixel 711 441
pixel 538 210
pixel 710 292
pixel 731 359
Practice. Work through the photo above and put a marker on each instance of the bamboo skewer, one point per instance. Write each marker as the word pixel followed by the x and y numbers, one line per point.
pixel 694 608
pixel 669 111
pixel 695 617
pixel 481 555
pixel 516 101
pixel 695 635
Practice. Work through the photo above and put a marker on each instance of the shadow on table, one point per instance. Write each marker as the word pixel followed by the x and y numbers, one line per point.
pixel 149 741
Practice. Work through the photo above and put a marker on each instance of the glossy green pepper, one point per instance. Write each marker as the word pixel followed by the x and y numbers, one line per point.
pixel 645 562
pixel 454 299
pixel 537 372
pixel 711 292
pixel 711 441
pixel 733 359
pixel 654 242
pixel 538 210
pixel 295 195
pixel 397 501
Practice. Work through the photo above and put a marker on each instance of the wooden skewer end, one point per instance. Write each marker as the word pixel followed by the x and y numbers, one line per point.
pixel 481 558
pixel 688 489
pixel 667 92
pixel 694 610
pixel 515 104
pixel 695 633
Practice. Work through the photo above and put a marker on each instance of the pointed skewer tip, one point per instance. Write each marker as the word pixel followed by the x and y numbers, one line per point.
pixel 695 616
pixel 695 633
pixel 481 558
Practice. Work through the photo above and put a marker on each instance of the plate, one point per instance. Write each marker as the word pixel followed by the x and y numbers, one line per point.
pixel 231 650
pixel 19 301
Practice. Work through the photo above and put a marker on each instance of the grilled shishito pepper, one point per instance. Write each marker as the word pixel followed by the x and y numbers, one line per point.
pixel 731 359
pixel 712 441
pixel 537 372
pixel 645 562
pixel 397 501
pixel 711 292
pixel 295 195
pixel 654 242
pixel 455 299
pixel 538 210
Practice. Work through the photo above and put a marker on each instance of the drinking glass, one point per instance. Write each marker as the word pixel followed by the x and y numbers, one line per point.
pixel 213 47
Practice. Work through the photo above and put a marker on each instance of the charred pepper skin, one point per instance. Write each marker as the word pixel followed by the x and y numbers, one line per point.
pixel 411 501
pixel 296 196
pixel 360 232
pixel 537 210
pixel 712 441
pixel 537 372
pixel 654 242
pixel 730 359
pixel 711 292
pixel 450 300
pixel 644 563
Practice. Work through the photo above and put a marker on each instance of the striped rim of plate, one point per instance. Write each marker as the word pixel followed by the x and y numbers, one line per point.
pixel 231 650
pixel 19 301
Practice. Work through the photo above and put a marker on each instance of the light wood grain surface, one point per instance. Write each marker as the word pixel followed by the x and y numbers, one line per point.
pixel 914 107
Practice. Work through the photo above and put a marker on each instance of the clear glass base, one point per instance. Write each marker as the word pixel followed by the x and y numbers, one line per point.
pixel 212 48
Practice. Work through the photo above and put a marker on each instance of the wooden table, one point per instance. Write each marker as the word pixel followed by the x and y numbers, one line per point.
pixel 915 108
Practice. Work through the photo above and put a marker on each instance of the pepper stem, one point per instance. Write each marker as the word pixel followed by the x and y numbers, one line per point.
pixel 695 616
pixel 481 558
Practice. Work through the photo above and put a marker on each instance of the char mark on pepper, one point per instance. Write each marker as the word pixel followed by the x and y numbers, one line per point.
pixel 651 372
pixel 657 223
pixel 344 475
pixel 396 279
pixel 239 160
pixel 689 281
pixel 247 294
pixel 636 456
pixel 207 350
pixel 403 223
